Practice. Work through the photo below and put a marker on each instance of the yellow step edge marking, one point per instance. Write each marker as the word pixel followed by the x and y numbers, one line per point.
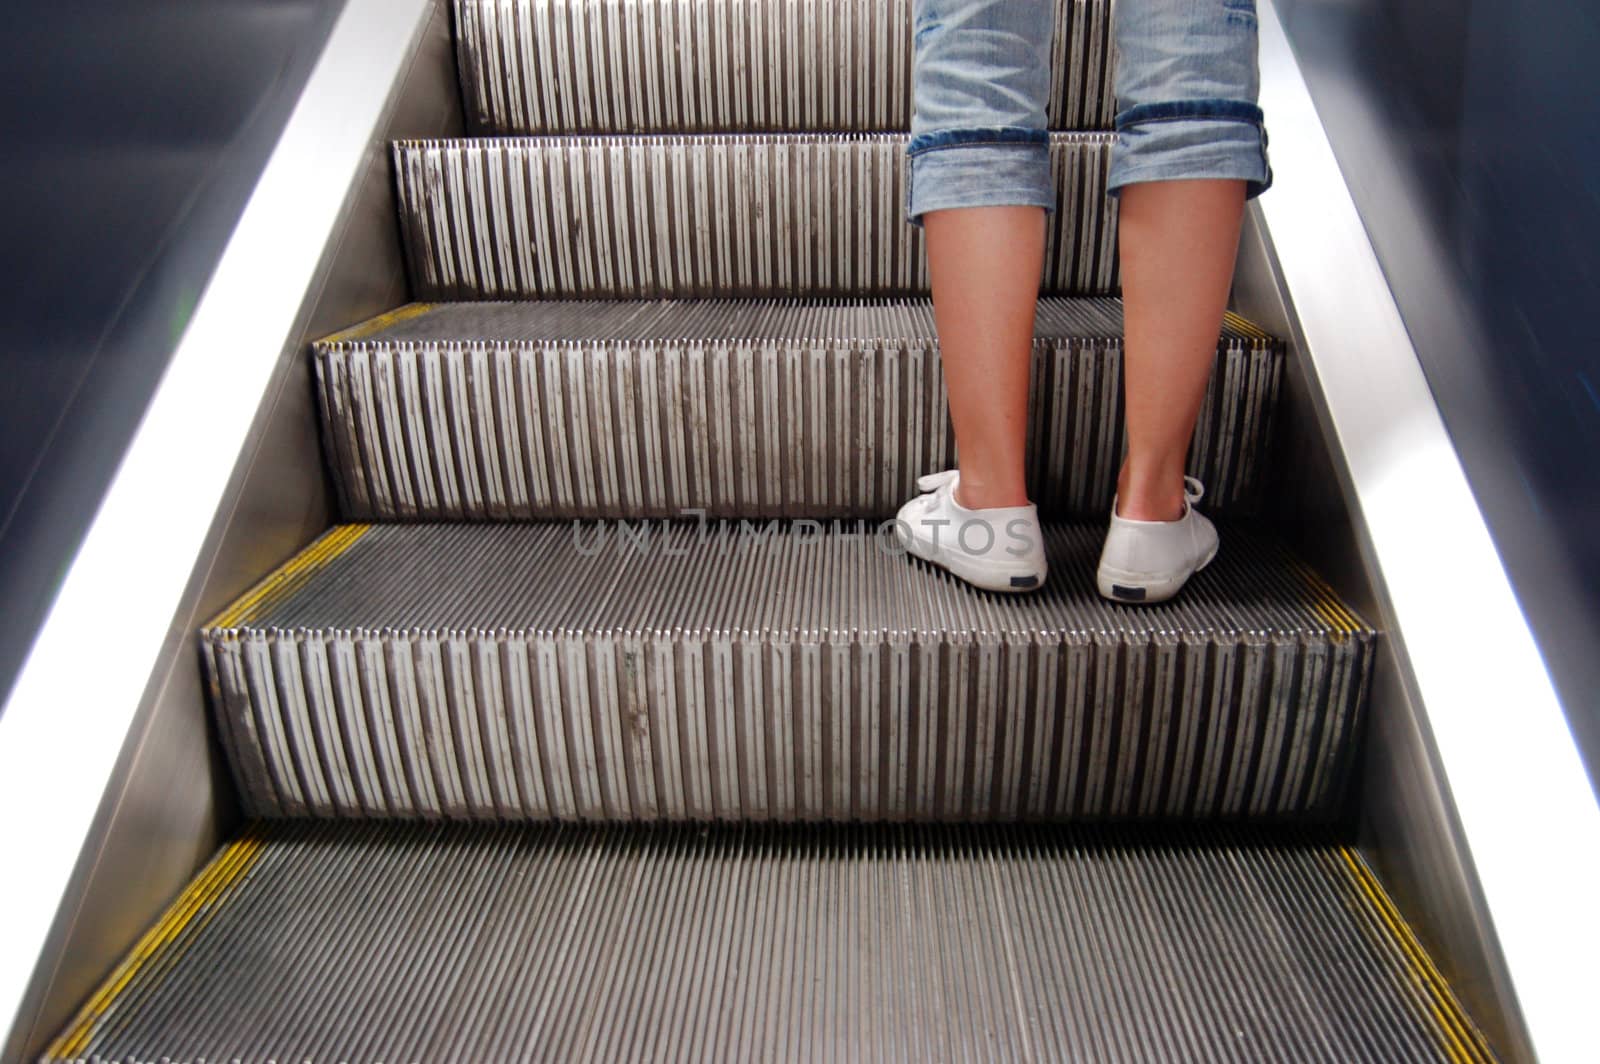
pixel 1326 604
pixel 224 871
pixel 290 574
pixel 1331 612
pixel 376 325
pixel 1465 1041
pixel 1245 325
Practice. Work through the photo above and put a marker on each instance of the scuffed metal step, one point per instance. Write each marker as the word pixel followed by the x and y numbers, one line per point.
pixel 358 942
pixel 737 408
pixel 714 215
pixel 773 671
pixel 703 66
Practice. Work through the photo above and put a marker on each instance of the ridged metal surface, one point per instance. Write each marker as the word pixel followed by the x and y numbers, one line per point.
pixel 773 671
pixel 713 215
pixel 759 66
pixel 739 408
pixel 368 943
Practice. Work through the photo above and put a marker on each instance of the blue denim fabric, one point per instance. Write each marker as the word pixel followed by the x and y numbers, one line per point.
pixel 1186 84
pixel 980 76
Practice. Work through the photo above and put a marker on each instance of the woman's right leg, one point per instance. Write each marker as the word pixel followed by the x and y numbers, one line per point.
pixel 1178 240
pixel 1189 149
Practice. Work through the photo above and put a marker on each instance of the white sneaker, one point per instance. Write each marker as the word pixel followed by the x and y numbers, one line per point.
pixel 997 549
pixel 1149 561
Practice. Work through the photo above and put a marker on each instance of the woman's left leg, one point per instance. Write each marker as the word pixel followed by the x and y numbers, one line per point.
pixel 980 186
pixel 984 263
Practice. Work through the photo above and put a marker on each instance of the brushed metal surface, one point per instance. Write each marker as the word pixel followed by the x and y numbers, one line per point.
pixel 1409 832
pixel 1403 817
pixel 787 671
pixel 389 942
pixel 162 801
pixel 1490 251
pixel 136 134
pixel 453 708
pixel 738 408
pixel 795 214
pixel 724 66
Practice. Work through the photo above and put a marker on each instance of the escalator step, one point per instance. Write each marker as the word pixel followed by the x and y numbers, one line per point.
pixel 363 942
pixel 698 66
pixel 713 215
pixel 739 408
pixel 773 671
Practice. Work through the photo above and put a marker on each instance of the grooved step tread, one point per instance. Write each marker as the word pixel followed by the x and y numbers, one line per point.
pixel 789 671
pixel 740 408
pixel 358 942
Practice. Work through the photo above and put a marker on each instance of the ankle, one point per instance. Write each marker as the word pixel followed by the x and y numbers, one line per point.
pixel 1144 496
pixel 981 495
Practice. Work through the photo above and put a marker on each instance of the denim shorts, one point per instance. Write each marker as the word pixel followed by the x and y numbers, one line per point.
pixel 1186 83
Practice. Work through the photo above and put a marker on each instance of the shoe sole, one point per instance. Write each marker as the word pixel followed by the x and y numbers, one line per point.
pixel 1137 589
pixel 1009 583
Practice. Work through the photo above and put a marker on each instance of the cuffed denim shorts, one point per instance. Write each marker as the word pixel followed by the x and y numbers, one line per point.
pixel 1186 83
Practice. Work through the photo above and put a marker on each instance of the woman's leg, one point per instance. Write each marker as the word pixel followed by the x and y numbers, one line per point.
pixel 985 263
pixel 1179 240
pixel 980 185
pixel 1189 149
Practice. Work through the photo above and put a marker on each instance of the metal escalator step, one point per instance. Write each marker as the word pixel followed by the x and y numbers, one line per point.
pixel 700 66
pixel 773 671
pixel 713 215
pixel 739 408
pixel 366 942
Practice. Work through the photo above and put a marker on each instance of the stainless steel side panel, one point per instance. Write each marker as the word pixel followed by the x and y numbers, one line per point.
pixel 107 790
pixel 1476 806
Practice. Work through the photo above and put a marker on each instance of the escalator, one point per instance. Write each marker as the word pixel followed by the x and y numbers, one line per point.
pixel 607 725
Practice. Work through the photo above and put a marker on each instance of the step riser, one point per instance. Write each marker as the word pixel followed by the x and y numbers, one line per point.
pixel 693 66
pixel 680 217
pixel 914 699
pixel 508 728
pixel 750 428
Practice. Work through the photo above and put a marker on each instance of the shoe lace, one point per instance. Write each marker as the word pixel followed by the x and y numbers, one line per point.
pixel 1193 490
pixel 934 486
